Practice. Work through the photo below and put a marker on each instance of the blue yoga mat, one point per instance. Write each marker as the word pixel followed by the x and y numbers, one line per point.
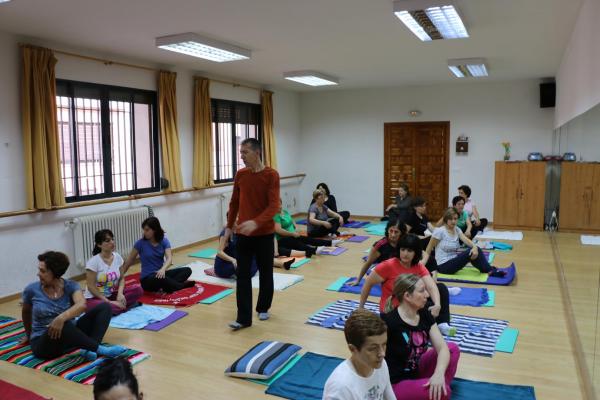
pixel 464 389
pixel 306 379
pixel 474 297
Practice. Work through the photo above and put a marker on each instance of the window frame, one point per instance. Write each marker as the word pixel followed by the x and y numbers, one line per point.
pixel 105 136
pixel 234 148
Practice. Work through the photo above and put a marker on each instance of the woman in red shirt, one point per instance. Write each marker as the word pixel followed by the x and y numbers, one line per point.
pixel 385 273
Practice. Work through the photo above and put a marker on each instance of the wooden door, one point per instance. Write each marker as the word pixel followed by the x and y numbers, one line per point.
pixel 506 194
pixel 576 192
pixel 418 154
pixel 532 194
pixel 595 200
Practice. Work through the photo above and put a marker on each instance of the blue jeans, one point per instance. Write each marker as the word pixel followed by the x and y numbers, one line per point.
pixel 457 263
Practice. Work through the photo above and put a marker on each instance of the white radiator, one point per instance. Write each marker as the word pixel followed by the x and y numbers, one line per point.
pixel 126 225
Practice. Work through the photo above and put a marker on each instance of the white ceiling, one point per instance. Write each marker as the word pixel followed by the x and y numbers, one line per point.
pixel 359 41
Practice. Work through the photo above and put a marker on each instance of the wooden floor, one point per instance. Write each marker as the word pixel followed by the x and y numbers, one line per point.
pixel 188 358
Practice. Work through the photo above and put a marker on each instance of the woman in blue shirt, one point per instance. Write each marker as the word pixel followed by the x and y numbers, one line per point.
pixel 156 257
pixel 49 307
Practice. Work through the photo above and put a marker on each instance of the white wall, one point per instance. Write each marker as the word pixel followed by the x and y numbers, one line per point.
pixel 578 78
pixel 187 217
pixel 342 136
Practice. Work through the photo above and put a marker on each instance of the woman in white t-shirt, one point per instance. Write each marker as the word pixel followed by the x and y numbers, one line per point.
pixel 449 258
pixel 105 277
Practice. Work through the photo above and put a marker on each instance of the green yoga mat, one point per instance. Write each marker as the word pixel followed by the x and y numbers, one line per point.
pixel 492 299
pixel 470 274
pixel 216 297
pixel 508 340
pixel 300 263
pixel 335 286
pixel 286 368
pixel 204 253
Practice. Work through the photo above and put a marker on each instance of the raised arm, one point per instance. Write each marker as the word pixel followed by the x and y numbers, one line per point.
pixel 372 280
pixel 430 246
pixel 56 326
pixel 221 251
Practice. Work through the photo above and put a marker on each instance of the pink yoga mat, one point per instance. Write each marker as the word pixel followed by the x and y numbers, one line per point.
pixel 13 392
pixel 157 326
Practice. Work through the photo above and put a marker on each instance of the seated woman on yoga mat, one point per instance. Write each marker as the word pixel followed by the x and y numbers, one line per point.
pixel 330 202
pixel 321 220
pixel 416 372
pixel 418 223
pixel 156 257
pixel 479 224
pixel 383 249
pixel 226 262
pixel 365 374
pixel 115 381
pixel 446 241
pixel 463 223
pixel 49 308
pixel 288 237
pixel 385 273
pixel 401 208
pixel 105 278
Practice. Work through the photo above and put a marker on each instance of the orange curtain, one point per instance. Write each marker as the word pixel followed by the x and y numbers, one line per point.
pixel 169 136
pixel 43 182
pixel 269 157
pixel 202 175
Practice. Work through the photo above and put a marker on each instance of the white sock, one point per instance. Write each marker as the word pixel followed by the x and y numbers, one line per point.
pixel 336 242
pixel 454 291
pixel 320 250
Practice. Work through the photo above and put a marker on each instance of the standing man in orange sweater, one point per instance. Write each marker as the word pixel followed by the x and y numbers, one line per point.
pixel 254 203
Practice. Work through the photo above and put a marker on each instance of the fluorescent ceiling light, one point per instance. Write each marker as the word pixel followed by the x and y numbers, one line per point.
pixel 431 19
pixel 468 67
pixel 311 78
pixel 195 45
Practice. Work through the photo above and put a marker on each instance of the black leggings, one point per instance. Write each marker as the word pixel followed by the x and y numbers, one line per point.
pixel 86 333
pixel 320 230
pixel 302 243
pixel 444 315
pixel 173 281
pixel 345 216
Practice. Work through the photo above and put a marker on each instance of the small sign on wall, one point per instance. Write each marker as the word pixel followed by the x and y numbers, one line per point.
pixel 462 145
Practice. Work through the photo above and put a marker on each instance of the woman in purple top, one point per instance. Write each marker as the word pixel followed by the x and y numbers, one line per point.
pixel 156 257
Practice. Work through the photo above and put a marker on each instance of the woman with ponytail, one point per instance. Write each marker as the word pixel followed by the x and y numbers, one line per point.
pixel 386 272
pixel 416 371
pixel 106 278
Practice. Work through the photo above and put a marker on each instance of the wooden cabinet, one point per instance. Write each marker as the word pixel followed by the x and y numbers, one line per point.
pixel 519 192
pixel 579 197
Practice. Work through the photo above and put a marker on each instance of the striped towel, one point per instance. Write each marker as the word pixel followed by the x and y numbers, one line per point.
pixel 71 366
pixel 263 360
pixel 476 335
pixel 334 315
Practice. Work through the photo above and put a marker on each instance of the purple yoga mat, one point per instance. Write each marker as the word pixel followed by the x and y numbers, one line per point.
pixel 357 239
pixel 336 252
pixel 157 326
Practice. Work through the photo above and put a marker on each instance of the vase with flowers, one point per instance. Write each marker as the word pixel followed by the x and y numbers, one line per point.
pixel 506 146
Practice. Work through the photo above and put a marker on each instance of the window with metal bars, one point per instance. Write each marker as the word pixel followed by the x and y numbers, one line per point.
pixel 232 122
pixel 108 140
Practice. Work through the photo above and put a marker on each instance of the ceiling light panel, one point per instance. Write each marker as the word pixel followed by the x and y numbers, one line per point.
pixel 311 78
pixel 468 67
pixel 431 20
pixel 195 45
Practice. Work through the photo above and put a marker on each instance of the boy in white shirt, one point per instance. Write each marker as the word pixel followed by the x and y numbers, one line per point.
pixel 364 376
